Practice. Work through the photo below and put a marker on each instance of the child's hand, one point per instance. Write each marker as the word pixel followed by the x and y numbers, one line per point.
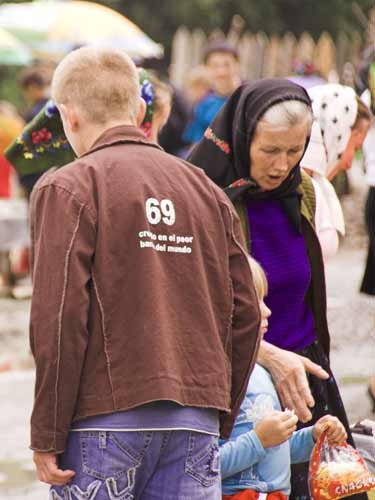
pixel 336 433
pixel 276 428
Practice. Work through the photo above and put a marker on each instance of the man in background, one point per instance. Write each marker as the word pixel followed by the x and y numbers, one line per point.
pixel 221 61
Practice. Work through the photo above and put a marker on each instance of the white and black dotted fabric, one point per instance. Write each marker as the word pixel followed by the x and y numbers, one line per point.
pixel 335 108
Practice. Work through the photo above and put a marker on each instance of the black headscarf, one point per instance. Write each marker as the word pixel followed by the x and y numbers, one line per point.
pixel 224 151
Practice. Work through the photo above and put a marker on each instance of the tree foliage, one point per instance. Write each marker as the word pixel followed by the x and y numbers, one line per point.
pixel 161 19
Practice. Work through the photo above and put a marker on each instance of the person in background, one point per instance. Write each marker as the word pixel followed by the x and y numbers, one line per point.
pixel 171 135
pixel 368 280
pixel 42 144
pixel 11 235
pixel 198 84
pixel 365 83
pixel 11 124
pixel 306 74
pixel 341 123
pixel 158 97
pixel 264 442
pixel 221 61
pixel 35 84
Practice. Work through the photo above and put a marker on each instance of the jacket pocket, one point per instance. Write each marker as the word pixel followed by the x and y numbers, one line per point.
pixel 107 454
pixel 202 462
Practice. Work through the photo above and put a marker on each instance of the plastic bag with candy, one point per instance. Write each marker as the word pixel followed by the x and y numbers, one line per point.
pixel 337 471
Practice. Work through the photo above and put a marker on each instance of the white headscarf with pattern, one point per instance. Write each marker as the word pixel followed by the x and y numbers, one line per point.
pixel 335 110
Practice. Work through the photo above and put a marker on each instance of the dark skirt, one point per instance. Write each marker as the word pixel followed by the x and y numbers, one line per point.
pixel 368 282
pixel 327 400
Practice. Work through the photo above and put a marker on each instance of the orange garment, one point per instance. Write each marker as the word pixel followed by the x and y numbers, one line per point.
pixel 6 171
pixel 254 495
pixel 10 127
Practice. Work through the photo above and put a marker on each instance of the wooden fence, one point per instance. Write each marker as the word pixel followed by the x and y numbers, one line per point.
pixel 268 56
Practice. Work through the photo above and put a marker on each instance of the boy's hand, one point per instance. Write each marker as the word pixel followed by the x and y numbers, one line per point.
pixel 336 432
pixel 276 428
pixel 48 471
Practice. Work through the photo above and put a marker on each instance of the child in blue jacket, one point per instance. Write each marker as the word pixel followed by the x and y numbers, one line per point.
pixel 255 461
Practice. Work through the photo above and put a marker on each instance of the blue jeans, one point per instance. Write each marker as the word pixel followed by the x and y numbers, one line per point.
pixel 140 465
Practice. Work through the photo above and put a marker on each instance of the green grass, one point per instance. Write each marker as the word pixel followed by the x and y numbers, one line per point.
pixel 371 495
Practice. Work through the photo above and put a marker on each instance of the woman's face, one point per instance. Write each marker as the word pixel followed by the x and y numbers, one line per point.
pixel 274 151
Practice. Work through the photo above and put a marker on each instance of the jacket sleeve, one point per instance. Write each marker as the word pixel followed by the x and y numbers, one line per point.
pixel 241 453
pixel 63 241
pixel 245 318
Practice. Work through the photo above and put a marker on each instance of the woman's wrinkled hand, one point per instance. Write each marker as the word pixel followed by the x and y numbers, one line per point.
pixel 288 371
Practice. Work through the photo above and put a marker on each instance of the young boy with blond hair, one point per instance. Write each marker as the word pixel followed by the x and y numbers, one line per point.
pixel 255 461
pixel 143 303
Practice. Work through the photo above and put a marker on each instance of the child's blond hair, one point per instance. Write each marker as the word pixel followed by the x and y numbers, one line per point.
pixel 259 277
pixel 102 83
pixel 163 93
pixel 199 76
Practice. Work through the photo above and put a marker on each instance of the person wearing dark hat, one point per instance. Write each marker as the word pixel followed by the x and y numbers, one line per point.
pixel 253 150
pixel 221 61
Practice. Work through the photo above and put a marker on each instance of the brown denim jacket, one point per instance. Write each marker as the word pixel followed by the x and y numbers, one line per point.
pixel 142 289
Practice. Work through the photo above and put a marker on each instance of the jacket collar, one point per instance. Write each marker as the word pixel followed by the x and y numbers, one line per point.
pixel 121 134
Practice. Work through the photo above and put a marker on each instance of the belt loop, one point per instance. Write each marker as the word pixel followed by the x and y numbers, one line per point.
pixel 102 440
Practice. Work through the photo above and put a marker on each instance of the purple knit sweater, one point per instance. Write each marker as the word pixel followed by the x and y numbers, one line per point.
pixel 281 251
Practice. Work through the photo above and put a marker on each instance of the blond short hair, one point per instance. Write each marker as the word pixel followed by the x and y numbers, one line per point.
pixel 259 277
pixel 103 83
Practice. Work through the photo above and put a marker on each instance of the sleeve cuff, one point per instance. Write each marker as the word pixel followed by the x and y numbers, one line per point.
pixel 48 442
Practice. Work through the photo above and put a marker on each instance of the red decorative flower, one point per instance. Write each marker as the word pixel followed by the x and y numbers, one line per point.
pixel 146 127
pixel 223 145
pixel 42 135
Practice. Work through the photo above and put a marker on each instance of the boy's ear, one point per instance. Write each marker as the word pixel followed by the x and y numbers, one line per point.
pixel 70 117
pixel 141 112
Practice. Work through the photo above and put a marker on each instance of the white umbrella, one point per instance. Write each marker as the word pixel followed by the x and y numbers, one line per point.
pixel 13 51
pixel 55 27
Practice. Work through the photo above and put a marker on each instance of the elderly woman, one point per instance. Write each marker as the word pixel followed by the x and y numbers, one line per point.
pixel 252 149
